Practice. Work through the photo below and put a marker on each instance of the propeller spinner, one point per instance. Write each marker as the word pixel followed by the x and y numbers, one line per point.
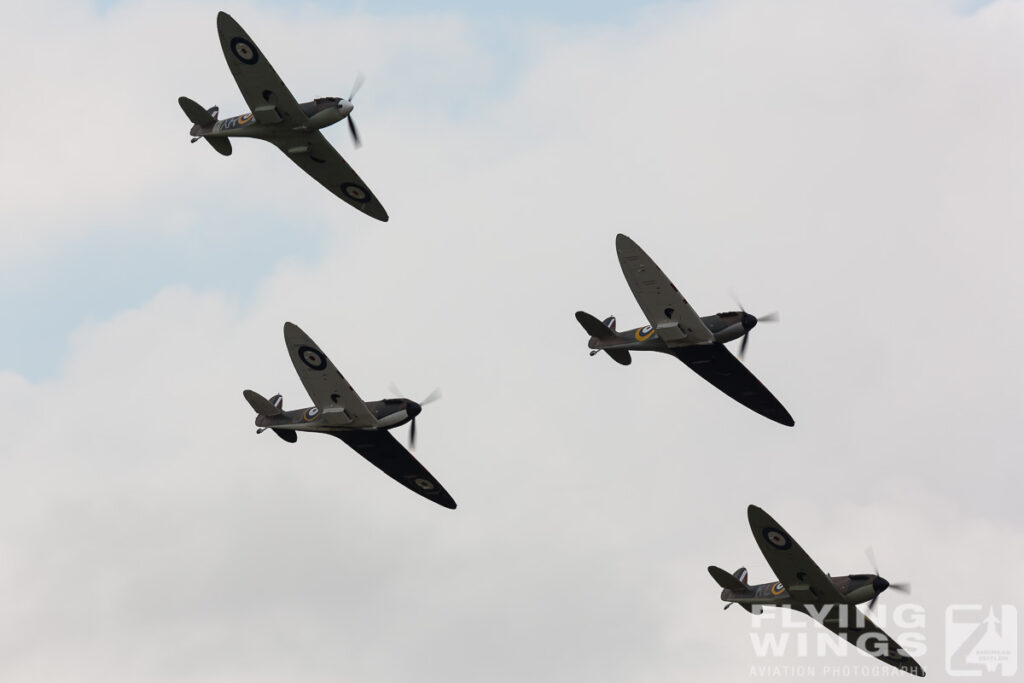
pixel 880 584
pixel 414 409
pixel 749 322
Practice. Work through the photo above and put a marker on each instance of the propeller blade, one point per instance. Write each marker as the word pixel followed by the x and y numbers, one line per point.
pixel 772 317
pixel 360 79
pixel 355 134
pixel 901 587
pixel 431 397
pixel 412 435
pixel 871 605
pixel 739 303
pixel 870 552
pixel 743 344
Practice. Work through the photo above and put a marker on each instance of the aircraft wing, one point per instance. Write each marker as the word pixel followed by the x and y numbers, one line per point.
pixel 714 363
pixel 669 313
pixel 330 391
pixel 263 90
pixel 862 633
pixel 794 568
pixel 391 458
pixel 317 157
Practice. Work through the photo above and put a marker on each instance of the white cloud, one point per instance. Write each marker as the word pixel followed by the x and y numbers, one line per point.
pixel 854 166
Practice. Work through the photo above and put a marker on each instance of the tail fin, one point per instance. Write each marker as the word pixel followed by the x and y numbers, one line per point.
pixel 271 408
pixel 733 583
pixel 202 118
pixel 603 332
pixel 741 574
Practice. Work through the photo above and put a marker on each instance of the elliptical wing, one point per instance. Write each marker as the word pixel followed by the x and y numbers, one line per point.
pixel 330 391
pixel 669 313
pixel 266 94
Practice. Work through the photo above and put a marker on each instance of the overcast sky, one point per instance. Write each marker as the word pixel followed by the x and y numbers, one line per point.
pixel 853 165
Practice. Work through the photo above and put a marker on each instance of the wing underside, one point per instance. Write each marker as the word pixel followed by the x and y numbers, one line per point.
pixel 391 458
pixel 792 566
pixel 330 391
pixel 714 363
pixel 316 156
pixel 862 633
pixel 266 94
pixel 666 309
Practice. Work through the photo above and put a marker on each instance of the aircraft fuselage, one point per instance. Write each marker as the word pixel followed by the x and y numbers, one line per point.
pixel 855 589
pixel 320 113
pixel 388 413
pixel 725 326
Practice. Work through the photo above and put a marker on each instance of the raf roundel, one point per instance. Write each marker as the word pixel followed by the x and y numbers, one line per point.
pixel 778 589
pixel 312 358
pixel 777 537
pixel 356 193
pixel 644 333
pixel 311 414
pixel 244 50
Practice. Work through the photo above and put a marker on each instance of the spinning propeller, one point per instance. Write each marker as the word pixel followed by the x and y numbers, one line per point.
pixel 881 584
pixel 351 124
pixel 415 410
pixel 748 321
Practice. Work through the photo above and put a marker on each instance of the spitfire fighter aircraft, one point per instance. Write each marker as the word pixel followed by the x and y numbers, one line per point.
pixel 339 411
pixel 278 118
pixel 676 329
pixel 803 587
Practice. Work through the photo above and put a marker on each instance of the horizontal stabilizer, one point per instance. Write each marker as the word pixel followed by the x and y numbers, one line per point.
pixel 195 112
pixel 222 145
pixel 289 435
pixel 603 333
pixel 727 580
pixel 596 328
pixel 261 405
pixel 620 356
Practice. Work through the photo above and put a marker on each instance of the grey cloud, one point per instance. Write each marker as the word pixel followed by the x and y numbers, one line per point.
pixel 852 166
